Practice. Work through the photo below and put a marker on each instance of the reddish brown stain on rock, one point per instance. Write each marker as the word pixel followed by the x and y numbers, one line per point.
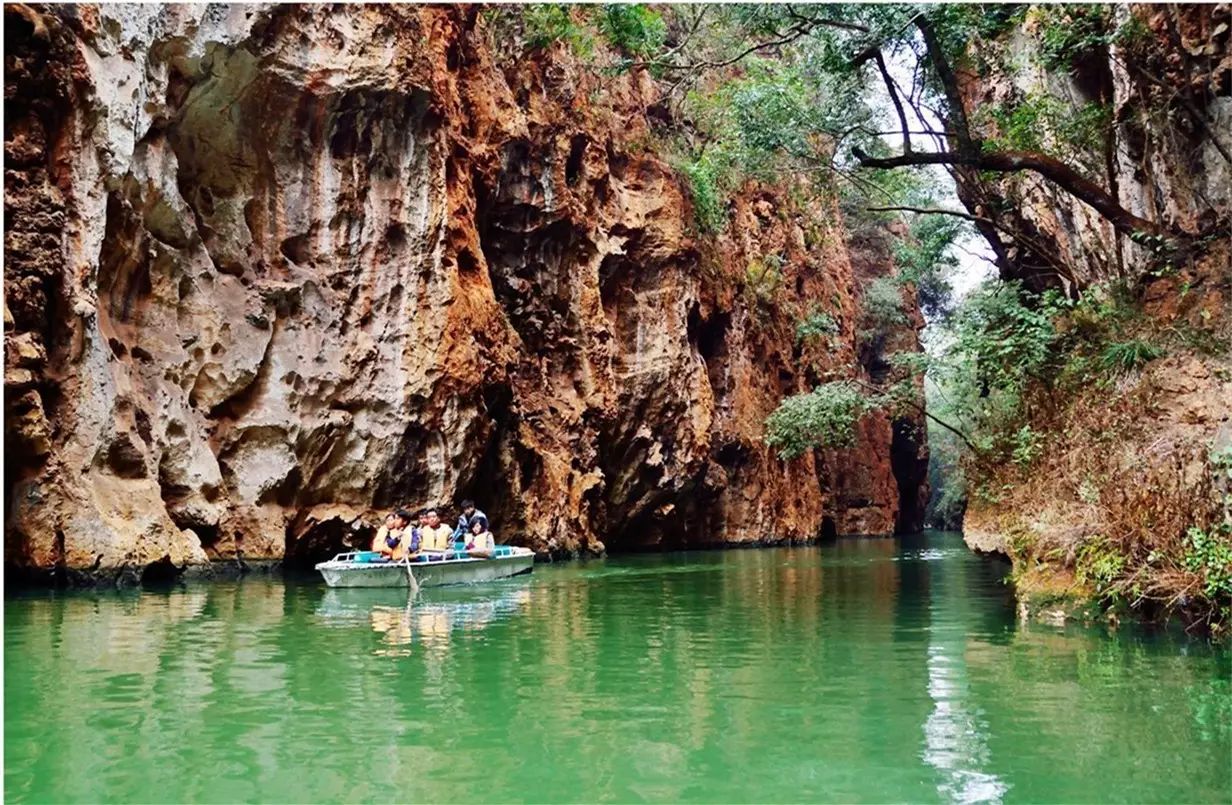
pixel 366 267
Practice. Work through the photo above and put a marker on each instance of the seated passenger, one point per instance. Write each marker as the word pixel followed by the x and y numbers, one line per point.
pixel 382 534
pixel 435 536
pixel 414 532
pixel 480 543
pixel 470 516
pixel 395 541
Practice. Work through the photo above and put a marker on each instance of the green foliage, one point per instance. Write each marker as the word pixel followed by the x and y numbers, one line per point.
pixel 709 205
pixel 947 480
pixel 1026 446
pixel 1209 553
pixel 1127 356
pixel 1006 333
pixel 635 30
pixel 882 304
pixel 775 120
pixel 911 364
pixel 1068 32
pixel 1044 123
pixel 824 417
pixel 545 24
pixel 1100 563
pixel 926 257
pixel 816 325
pixel 1132 33
pixel 999 341
pixel 1021 126
pixel 764 276
pixel 959 24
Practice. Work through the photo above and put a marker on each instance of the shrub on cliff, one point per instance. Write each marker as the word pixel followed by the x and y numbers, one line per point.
pixel 824 417
pixel 635 29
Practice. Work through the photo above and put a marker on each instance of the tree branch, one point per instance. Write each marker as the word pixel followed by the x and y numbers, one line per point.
pixel 931 211
pixel 825 21
pixel 803 26
pixel 948 82
pixel 965 439
pixel 898 106
pixel 1201 117
pixel 1056 171
pixel 1014 235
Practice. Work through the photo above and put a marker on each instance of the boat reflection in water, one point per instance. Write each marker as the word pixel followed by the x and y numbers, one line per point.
pixel 428 620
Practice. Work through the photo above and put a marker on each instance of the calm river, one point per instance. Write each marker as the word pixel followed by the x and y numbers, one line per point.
pixel 859 671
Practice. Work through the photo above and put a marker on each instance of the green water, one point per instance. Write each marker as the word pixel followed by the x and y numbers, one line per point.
pixel 861 671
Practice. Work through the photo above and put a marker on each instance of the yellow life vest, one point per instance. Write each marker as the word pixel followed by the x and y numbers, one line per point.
pixel 482 542
pixel 435 539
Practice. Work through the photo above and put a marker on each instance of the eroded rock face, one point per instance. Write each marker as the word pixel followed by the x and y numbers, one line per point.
pixel 1167 157
pixel 274 269
pixel 1136 459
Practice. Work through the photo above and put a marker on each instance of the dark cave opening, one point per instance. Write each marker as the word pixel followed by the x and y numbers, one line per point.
pixel 910 475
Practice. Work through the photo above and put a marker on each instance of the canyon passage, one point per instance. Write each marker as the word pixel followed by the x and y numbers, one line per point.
pixel 640 280
pixel 274 271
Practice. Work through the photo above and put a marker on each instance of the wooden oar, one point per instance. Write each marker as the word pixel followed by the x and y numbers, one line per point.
pixel 411 581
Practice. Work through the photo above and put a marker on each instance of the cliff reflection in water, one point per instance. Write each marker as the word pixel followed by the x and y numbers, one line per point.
pixel 866 670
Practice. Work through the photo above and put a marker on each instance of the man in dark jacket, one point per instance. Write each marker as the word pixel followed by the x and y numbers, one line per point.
pixel 470 516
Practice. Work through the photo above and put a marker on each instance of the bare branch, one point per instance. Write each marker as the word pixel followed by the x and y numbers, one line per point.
pixel 931 211
pixel 948 82
pixel 794 33
pixel 1066 177
pixel 898 106
pixel 1204 120
pixel 1032 244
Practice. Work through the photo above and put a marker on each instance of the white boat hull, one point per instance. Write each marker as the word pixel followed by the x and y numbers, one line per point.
pixel 340 572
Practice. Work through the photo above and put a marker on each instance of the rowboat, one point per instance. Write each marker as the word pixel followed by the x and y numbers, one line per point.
pixel 370 569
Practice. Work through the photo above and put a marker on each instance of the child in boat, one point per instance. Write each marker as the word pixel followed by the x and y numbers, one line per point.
pixel 480 543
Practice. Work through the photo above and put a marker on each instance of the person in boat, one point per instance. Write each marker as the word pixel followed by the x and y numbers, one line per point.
pixel 383 533
pixel 480 543
pixel 393 539
pixel 470 515
pixel 415 532
pixel 435 535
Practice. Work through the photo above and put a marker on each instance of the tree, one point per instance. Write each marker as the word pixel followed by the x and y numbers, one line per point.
pixel 847 43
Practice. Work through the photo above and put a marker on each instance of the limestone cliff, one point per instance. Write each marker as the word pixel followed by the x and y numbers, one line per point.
pixel 1127 466
pixel 271 270
pixel 1145 115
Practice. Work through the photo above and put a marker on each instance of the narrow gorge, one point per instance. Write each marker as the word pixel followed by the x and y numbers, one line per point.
pixel 271 270
pixel 634 277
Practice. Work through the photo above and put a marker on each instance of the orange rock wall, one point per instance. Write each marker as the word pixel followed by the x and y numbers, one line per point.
pixel 273 270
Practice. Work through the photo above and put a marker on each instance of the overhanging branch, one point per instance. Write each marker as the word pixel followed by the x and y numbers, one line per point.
pixel 1056 171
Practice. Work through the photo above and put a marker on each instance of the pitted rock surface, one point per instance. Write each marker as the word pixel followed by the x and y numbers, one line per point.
pixel 273 270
